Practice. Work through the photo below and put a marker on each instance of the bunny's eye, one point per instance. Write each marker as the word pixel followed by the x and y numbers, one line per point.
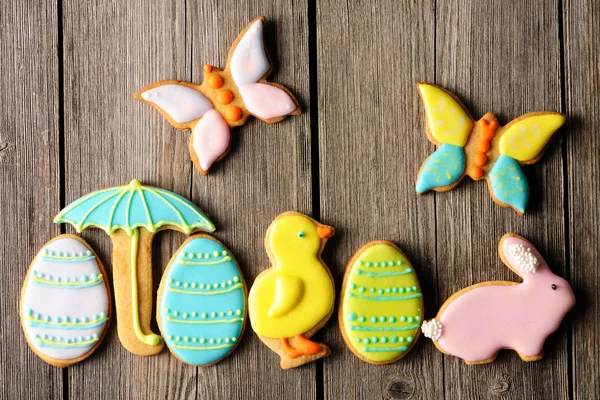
pixel 553 287
pixel 301 234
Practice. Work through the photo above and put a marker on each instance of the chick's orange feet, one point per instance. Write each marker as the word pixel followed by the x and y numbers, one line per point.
pixel 305 347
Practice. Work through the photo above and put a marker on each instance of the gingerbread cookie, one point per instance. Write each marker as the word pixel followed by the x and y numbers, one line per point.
pixel 482 149
pixel 382 306
pixel 131 215
pixel 65 302
pixel 225 99
pixel 477 322
pixel 201 308
pixel 293 299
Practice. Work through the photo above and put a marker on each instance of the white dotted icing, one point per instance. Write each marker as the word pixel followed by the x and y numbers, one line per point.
pixel 432 329
pixel 523 258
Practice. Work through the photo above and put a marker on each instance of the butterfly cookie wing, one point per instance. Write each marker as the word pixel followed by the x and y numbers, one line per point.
pixel 179 102
pixel 249 65
pixel 210 141
pixel 448 126
pixel 522 142
pixel 508 184
pixel 526 137
pixel 448 120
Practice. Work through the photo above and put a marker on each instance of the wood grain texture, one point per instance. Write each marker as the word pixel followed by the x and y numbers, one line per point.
pixel 29 173
pixel 496 56
pixel 505 58
pixel 111 50
pixel 582 83
pixel 370 57
pixel 267 172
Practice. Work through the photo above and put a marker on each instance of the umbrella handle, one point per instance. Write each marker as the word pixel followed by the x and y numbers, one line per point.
pixel 152 339
pixel 132 279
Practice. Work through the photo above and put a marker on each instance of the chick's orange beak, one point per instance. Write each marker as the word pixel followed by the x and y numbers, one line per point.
pixel 324 231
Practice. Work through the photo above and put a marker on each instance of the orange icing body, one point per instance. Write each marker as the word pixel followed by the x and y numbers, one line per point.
pixel 480 142
pixel 220 89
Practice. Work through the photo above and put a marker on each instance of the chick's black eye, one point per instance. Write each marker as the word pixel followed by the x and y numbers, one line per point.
pixel 301 235
pixel 553 287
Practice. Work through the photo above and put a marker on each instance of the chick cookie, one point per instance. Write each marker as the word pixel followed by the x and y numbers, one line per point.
pixel 293 299
pixel 477 322
pixel 381 308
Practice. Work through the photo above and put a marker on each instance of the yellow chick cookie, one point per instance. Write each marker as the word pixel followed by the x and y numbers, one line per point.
pixel 293 299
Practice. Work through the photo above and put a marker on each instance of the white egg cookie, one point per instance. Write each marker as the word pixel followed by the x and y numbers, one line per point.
pixel 65 302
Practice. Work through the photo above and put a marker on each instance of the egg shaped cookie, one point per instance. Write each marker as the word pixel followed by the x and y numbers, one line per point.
pixel 65 302
pixel 382 306
pixel 202 302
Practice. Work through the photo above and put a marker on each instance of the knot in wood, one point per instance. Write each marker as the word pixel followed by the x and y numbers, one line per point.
pixel 399 388
pixel 499 387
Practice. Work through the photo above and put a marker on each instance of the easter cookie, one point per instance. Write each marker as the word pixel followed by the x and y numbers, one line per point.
pixel 201 308
pixel 293 299
pixel 482 149
pixel 381 308
pixel 65 302
pixel 131 215
pixel 477 322
pixel 225 99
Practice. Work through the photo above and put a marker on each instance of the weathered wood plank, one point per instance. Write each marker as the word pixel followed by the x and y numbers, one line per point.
pixel 29 172
pixel 505 58
pixel 267 172
pixel 370 57
pixel 112 50
pixel 582 81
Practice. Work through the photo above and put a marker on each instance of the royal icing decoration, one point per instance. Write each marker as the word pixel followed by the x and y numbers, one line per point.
pixel 202 302
pixel 224 100
pixel 182 103
pixel 64 307
pixel 136 211
pixel 296 294
pixel 482 319
pixel 523 258
pixel 382 305
pixel 482 149
pixel 432 329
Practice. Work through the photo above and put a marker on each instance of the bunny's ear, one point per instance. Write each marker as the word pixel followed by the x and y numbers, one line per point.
pixel 520 256
pixel 248 60
pixel 179 103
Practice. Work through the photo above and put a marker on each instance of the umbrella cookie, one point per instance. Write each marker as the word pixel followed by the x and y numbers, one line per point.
pixel 477 322
pixel 225 99
pixel 201 308
pixel 293 299
pixel 131 215
pixel 482 149
pixel 382 306
pixel 65 302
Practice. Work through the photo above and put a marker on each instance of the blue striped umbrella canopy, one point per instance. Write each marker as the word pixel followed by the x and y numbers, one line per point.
pixel 134 206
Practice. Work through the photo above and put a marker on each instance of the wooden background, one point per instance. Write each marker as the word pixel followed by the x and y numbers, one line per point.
pixel 69 125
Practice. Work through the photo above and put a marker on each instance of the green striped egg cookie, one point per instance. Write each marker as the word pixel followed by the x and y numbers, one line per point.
pixel 382 305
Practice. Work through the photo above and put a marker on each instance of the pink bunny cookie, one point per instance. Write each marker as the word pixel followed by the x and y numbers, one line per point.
pixel 477 322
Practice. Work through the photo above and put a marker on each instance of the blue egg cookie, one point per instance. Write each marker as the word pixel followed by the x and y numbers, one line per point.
pixel 202 302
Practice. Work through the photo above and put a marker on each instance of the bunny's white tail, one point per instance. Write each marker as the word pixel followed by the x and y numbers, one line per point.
pixel 432 329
